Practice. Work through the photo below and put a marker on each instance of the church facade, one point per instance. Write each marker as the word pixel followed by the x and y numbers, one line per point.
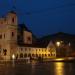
pixel 18 41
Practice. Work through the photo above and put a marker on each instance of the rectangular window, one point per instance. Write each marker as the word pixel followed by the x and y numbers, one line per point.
pixel 4 35
pixel 12 34
pixel 13 20
pixel 0 36
pixel 5 52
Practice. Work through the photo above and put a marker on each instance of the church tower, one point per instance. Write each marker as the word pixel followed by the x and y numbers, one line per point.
pixel 12 26
pixel 8 34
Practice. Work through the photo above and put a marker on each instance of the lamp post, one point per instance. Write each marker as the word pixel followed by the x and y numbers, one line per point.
pixel 13 58
pixel 58 44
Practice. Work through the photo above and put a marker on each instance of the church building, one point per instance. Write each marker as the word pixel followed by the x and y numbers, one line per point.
pixel 16 39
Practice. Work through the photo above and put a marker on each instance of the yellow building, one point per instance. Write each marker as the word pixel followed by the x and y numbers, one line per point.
pixel 18 40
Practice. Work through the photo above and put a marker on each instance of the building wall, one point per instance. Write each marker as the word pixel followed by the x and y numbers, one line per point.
pixel 8 35
pixel 8 41
pixel 27 36
pixel 11 19
pixel 34 53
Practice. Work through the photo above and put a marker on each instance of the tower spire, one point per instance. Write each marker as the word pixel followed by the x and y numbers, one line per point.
pixel 14 5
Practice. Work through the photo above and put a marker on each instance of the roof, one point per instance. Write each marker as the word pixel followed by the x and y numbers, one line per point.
pixel 30 45
pixel 44 41
pixel 23 27
pixel 12 11
pixel 60 36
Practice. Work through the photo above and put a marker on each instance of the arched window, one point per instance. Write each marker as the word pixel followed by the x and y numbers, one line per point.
pixel 45 55
pixel 4 51
pixel 33 55
pixel 29 55
pixel 12 34
pixel 16 56
pixel 13 20
pixel 39 55
pixel 48 54
pixel 21 55
pixel 25 55
pixel 36 55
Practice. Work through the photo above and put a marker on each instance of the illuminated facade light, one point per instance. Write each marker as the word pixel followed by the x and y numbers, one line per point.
pixel 13 56
pixel 69 44
pixel 58 43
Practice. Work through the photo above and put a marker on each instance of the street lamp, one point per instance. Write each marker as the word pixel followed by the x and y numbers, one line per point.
pixel 13 62
pixel 58 43
pixel 13 56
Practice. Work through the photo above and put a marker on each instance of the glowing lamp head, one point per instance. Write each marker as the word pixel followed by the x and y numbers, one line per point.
pixel 13 56
pixel 58 43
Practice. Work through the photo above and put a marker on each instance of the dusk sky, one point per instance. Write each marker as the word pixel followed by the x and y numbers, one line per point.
pixel 43 17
